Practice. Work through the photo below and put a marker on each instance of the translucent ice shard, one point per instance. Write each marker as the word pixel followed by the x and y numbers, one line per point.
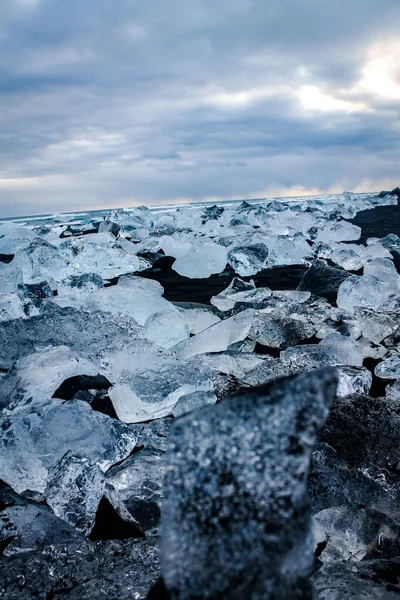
pixel 366 292
pixel 334 350
pixel 153 394
pixel 34 440
pixel 201 261
pixel 389 368
pixel 353 381
pixel 134 488
pixel 239 291
pixel 248 259
pixel 34 379
pixel 277 330
pixel 341 231
pixel 136 297
pixel 200 318
pixel 166 328
pixel 74 489
pixel 99 253
pixel 220 336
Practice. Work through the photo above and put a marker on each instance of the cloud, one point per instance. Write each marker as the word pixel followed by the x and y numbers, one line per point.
pixel 106 103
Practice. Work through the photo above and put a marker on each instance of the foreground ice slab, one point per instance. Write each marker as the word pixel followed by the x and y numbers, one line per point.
pixel 235 518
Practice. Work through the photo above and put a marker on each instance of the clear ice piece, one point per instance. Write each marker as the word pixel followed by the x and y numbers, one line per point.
pixel 134 488
pixel 34 440
pixel 240 291
pixel 166 328
pixel 220 336
pixel 248 260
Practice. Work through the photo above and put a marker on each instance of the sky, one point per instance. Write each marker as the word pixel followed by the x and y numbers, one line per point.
pixel 108 103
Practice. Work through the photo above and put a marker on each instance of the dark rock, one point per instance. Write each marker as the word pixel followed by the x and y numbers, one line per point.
pixel 27 526
pixel 235 517
pixel 322 280
pixel 212 213
pixel 394 192
pixel 109 525
pixel 75 230
pixel 121 570
pixel 71 386
pixel 6 258
pixel 364 431
pixel 34 293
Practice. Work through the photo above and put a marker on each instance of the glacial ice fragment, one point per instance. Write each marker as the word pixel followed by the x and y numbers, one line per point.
pixel 239 291
pixel 248 260
pixel 218 337
pixel 235 518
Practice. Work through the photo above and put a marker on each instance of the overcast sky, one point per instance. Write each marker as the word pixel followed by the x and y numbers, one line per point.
pixel 124 102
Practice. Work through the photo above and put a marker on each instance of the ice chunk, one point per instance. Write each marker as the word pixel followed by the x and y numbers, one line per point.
pixel 166 328
pixel 11 307
pixel 277 330
pixel 74 290
pixel 351 533
pixel 26 526
pixel 34 379
pixel 393 392
pixel 333 350
pixel 96 332
pixel 174 247
pixel 239 291
pixel 249 259
pixel 109 227
pixel 193 401
pixel 201 261
pixel 153 394
pixel 384 270
pixel 288 251
pixel 377 326
pixel 218 337
pixel 154 434
pixel 33 295
pixel 10 277
pixel 100 253
pixel 41 261
pixel 134 488
pixel 14 238
pixel 389 368
pixel 136 297
pixel 353 381
pixel 229 468
pixel 365 292
pixel 74 489
pixel 341 231
pixel 35 440
pixel 199 319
